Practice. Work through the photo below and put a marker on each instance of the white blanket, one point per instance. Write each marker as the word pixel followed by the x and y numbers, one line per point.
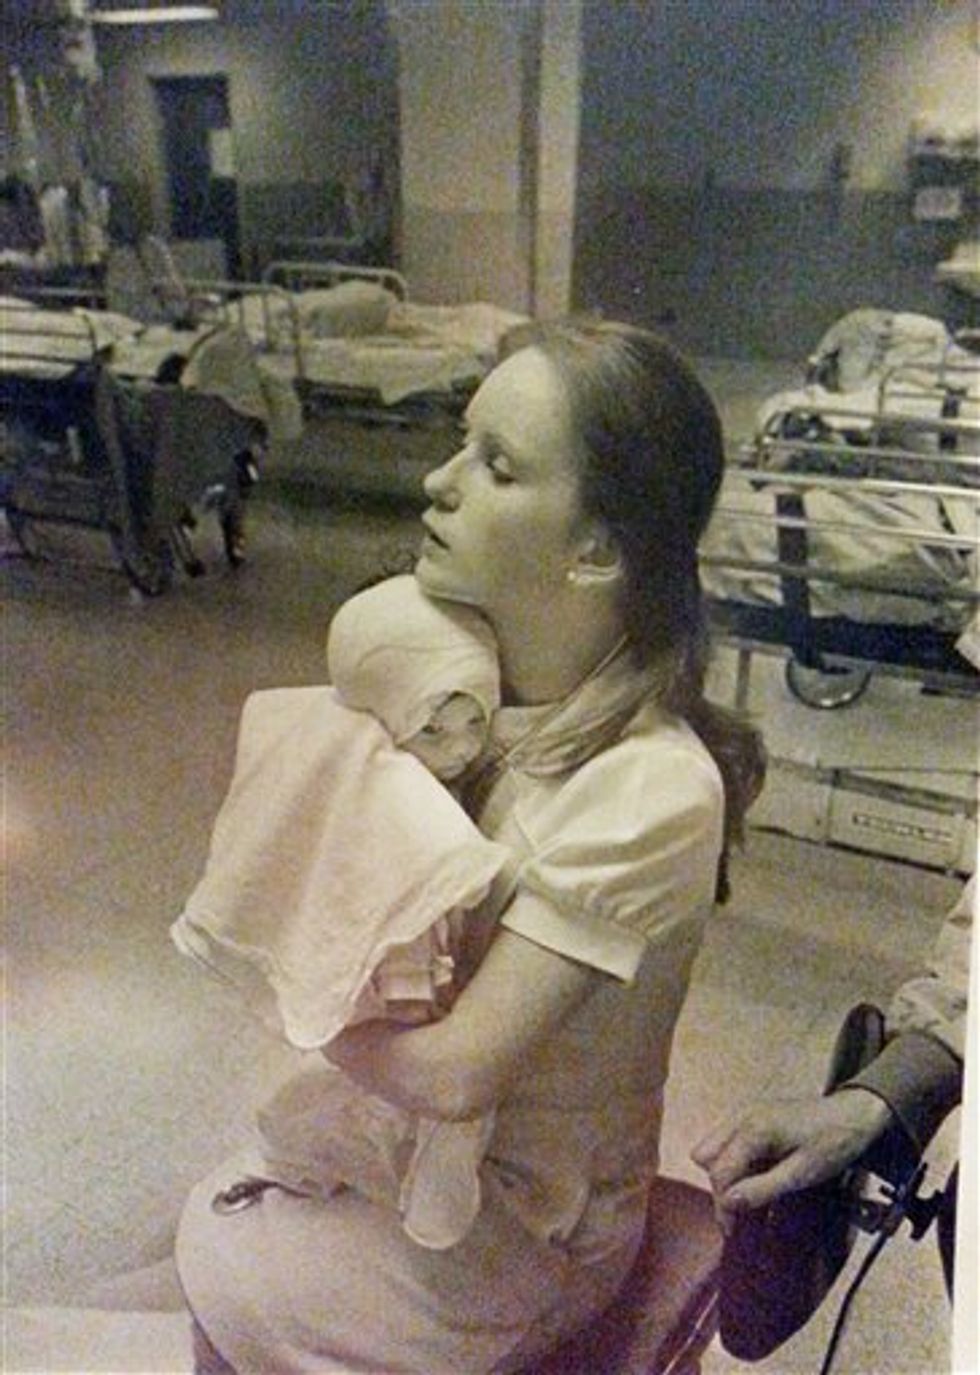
pixel 333 848
pixel 865 535
pixel 334 856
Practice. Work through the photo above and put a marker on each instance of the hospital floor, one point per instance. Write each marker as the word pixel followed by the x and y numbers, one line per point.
pixel 127 1073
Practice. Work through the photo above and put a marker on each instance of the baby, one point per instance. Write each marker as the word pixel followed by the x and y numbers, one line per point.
pixel 337 887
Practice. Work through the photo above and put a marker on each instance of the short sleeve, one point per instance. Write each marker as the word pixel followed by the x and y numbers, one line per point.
pixel 622 852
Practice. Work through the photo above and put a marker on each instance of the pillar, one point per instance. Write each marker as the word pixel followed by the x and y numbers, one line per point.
pixel 488 107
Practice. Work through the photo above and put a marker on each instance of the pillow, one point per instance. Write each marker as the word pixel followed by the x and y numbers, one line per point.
pixel 350 308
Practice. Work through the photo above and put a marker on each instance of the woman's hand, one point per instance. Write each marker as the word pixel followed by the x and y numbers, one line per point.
pixel 463 1065
pixel 777 1148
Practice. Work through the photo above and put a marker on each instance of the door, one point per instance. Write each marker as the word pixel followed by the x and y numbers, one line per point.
pixel 198 157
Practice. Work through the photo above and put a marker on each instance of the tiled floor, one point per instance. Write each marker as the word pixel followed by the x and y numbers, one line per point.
pixel 127 1073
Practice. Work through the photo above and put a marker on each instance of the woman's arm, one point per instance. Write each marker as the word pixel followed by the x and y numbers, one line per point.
pixel 602 879
pixel 461 1066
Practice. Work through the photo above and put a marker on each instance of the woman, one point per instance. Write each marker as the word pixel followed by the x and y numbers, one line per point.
pixel 570 517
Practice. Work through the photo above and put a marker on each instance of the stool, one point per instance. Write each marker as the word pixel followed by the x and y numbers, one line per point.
pixel 666 1314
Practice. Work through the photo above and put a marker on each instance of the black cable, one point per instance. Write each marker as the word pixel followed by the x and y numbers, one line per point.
pixel 848 1298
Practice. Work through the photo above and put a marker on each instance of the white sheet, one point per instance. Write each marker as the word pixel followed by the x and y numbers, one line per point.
pixel 49 344
pixel 425 348
pixel 867 535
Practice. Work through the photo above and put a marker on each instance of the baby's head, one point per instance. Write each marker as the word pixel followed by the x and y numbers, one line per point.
pixel 452 738
pixel 427 669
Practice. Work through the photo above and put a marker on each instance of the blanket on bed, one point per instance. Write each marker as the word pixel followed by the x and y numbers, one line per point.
pixel 888 369
pixel 880 539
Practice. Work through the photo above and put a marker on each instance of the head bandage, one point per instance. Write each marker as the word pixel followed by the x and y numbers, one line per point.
pixel 397 653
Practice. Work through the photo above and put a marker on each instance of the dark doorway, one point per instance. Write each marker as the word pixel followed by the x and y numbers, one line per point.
pixel 198 152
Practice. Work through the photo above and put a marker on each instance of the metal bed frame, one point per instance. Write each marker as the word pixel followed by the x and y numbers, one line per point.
pixel 831 659
pixel 201 297
pixel 84 448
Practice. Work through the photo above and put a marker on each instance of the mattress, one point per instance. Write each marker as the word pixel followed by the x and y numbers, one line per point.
pixel 422 349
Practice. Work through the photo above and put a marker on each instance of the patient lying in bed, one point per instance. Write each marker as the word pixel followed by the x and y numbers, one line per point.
pixel 879 381
pixel 877 539
pixel 358 335
pixel 885 371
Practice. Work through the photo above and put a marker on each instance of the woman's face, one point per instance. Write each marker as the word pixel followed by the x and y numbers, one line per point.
pixel 505 518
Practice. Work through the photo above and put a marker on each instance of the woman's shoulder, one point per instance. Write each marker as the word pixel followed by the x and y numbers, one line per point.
pixel 657 769
pixel 656 745
pixel 631 839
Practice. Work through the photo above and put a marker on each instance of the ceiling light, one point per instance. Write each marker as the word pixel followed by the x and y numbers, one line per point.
pixel 163 14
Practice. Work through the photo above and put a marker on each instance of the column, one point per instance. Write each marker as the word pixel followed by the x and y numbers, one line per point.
pixel 488 93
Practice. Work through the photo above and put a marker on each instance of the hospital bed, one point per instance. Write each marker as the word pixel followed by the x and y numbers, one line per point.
pixel 353 342
pixel 86 444
pixel 961 270
pixel 847 535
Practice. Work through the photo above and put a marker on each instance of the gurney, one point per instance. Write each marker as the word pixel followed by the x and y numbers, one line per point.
pixel 961 270
pixel 846 536
pixel 132 457
pixel 352 341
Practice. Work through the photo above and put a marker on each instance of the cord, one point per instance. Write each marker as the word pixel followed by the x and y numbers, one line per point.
pixel 905 1206
pixel 843 1311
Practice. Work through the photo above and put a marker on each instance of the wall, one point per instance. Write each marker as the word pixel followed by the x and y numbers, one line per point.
pixel 489 122
pixel 743 165
pixel 313 106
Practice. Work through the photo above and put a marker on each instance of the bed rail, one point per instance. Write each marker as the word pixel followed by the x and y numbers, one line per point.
pixel 807 450
pixel 91 297
pixel 799 433
pixel 296 275
pixel 218 300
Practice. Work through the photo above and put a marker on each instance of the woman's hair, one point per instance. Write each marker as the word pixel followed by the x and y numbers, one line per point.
pixel 653 462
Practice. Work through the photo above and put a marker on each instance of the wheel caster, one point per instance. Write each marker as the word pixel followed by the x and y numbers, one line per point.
pixel 826 689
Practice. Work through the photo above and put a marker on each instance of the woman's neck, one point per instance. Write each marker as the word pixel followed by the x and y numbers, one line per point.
pixel 544 658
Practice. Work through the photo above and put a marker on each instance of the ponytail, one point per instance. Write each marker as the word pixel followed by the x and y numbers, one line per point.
pixel 732 741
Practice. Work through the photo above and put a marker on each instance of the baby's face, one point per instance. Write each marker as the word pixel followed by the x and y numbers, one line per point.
pixel 451 739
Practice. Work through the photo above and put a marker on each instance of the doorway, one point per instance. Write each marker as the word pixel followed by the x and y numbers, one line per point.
pixel 198 157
